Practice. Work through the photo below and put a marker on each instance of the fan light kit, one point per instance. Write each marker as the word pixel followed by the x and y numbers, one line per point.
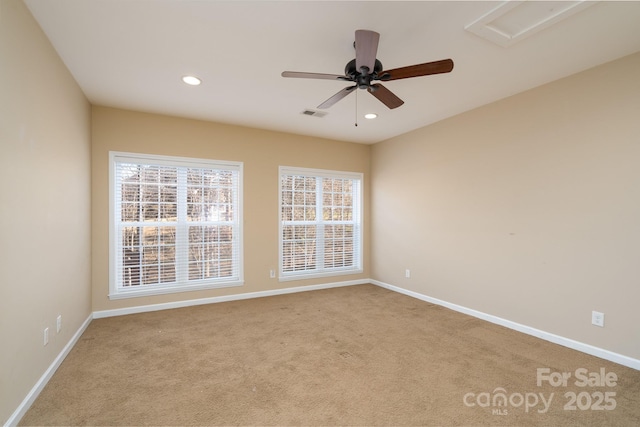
pixel 191 80
pixel 370 116
pixel 365 69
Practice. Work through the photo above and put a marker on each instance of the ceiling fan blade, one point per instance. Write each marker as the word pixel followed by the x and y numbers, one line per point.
pixel 337 97
pixel 385 96
pixel 301 75
pixel 436 67
pixel 366 50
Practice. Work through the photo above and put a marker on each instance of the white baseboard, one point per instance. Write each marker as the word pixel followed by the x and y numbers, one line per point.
pixel 22 409
pixel 547 336
pixel 15 418
pixel 226 298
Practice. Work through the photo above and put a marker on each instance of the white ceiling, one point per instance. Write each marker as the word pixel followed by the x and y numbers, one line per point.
pixel 132 54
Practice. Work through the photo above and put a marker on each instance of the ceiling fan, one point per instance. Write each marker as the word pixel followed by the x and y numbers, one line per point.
pixel 365 69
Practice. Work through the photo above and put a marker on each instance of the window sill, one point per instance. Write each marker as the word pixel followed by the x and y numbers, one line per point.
pixel 162 290
pixel 302 276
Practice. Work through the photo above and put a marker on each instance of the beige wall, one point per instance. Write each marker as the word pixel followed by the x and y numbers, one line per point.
pixel 526 209
pixel 260 151
pixel 44 204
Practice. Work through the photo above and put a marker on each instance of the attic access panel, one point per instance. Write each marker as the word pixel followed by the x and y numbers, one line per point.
pixel 513 21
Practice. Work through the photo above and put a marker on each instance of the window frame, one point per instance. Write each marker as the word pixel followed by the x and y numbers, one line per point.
pixel 358 191
pixel 116 290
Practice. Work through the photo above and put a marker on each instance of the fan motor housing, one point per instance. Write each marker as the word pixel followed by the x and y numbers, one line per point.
pixel 362 80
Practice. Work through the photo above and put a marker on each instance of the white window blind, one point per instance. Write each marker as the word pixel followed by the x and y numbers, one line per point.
pixel 320 223
pixel 176 224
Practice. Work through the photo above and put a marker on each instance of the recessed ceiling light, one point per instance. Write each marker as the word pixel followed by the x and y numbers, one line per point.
pixel 370 116
pixel 191 80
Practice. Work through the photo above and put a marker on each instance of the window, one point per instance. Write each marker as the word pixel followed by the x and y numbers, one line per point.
pixel 175 224
pixel 320 223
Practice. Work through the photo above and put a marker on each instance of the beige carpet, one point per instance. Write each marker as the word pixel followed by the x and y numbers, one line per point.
pixel 359 355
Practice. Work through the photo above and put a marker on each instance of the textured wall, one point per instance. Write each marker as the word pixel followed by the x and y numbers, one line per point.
pixel 525 209
pixel 260 151
pixel 44 204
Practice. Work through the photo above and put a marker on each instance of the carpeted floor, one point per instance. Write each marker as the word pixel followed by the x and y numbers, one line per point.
pixel 358 355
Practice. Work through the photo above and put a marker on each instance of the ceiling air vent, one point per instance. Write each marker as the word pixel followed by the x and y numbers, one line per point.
pixel 314 113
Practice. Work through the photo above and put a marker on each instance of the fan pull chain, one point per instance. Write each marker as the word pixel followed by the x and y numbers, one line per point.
pixel 356 107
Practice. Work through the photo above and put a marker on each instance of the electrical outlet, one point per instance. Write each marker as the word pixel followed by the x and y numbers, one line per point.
pixel 46 336
pixel 59 323
pixel 272 274
pixel 407 273
pixel 597 318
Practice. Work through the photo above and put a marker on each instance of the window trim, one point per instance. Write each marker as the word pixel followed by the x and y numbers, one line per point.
pixel 116 292
pixel 358 213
